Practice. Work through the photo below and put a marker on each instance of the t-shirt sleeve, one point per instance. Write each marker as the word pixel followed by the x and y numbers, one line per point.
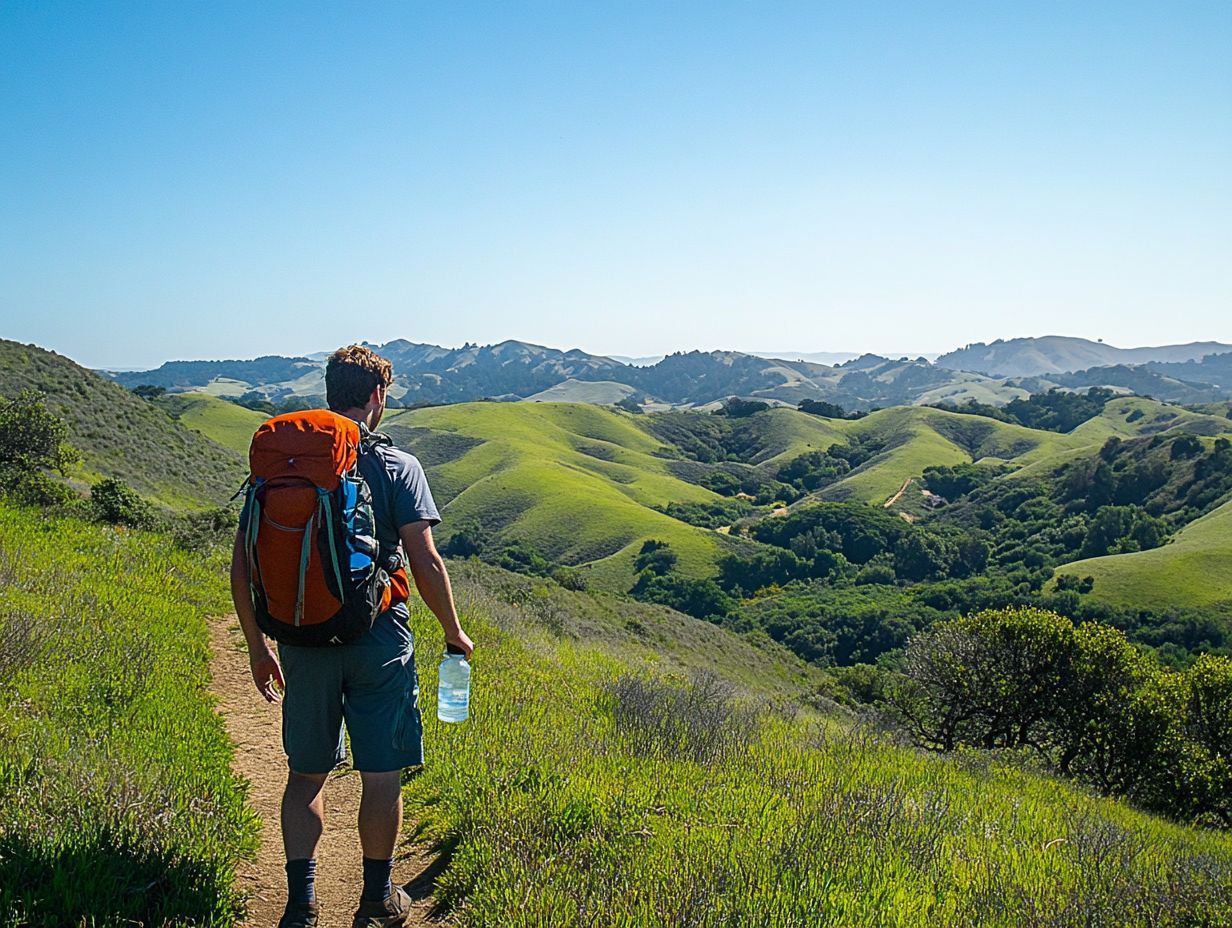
pixel 411 497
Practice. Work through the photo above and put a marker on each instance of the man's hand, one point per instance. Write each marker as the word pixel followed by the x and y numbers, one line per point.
pixel 267 674
pixel 462 640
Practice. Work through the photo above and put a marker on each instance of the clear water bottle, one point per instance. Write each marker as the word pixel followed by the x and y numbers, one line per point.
pixel 453 691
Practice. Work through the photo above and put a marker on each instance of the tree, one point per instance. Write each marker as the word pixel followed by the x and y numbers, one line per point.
pixel 32 444
pixel 737 408
pixel 822 408
pixel 1112 715
pixel 989 679
pixel 468 540
pixel 1208 729
pixel 1185 446
pixel 655 556
pixel 703 599
pixel 148 391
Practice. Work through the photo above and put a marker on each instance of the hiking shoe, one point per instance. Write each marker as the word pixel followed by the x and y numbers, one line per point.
pixel 390 912
pixel 299 916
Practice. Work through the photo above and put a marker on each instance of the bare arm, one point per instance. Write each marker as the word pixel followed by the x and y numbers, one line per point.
pixel 432 581
pixel 266 671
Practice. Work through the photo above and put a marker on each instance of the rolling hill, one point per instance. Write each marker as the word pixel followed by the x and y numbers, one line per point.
pixel 223 422
pixel 1054 354
pixel 1194 570
pixel 576 483
pixel 121 435
pixel 583 485
pixel 430 374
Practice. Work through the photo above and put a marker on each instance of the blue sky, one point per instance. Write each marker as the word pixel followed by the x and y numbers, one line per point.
pixel 198 180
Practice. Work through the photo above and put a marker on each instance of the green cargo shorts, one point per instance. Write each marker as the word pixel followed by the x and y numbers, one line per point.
pixel 370 684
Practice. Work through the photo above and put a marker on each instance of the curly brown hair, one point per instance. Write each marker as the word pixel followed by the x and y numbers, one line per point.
pixel 352 373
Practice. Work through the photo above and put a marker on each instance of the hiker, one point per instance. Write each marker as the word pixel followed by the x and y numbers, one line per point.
pixel 370 682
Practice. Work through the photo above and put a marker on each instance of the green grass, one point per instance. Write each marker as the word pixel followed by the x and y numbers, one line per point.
pixel 121 435
pixel 579 794
pixel 1194 570
pixel 644 635
pixel 576 482
pixel 117 800
pixel 218 420
pixel 606 392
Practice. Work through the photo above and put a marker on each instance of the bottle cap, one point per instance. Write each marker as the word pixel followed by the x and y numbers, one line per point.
pixel 454 649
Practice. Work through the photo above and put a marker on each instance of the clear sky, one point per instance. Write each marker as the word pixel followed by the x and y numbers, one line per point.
pixel 203 180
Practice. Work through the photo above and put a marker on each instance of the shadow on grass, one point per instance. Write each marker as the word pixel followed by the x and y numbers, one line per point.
pixel 101 880
pixel 423 886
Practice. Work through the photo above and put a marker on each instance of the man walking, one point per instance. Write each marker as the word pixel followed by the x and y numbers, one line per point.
pixel 370 683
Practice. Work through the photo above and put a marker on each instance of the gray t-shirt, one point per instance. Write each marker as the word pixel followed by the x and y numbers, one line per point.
pixel 400 493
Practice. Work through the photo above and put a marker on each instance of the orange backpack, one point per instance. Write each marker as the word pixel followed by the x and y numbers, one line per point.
pixel 315 568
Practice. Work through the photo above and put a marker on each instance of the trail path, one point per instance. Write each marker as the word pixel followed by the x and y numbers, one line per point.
pixel 899 495
pixel 256 729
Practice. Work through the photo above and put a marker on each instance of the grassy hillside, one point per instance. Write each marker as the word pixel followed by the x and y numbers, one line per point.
pixel 122 435
pixel 574 482
pixel 581 484
pixel 581 785
pixel 916 438
pixel 118 804
pixel 218 420
pixel 642 636
pixel 1194 570
pixel 605 392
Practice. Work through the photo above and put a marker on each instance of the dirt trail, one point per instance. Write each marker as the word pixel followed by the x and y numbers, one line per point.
pixel 256 728
pixel 897 496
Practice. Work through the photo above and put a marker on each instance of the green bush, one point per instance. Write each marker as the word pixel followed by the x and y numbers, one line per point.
pixel 1084 699
pixel 114 501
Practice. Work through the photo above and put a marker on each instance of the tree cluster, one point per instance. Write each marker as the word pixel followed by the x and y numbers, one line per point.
pixel 1083 698
pixel 1055 411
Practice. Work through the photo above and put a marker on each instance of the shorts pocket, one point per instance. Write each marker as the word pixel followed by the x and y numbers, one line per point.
pixel 408 726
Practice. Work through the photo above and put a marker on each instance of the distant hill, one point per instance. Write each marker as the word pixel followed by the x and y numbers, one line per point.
pixel 586 486
pixel 1194 570
pixel 122 435
pixel 429 375
pixel 600 392
pixel 1053 354
pixel 219 420
pixel 184 375
pixel 814 357
pixel 511 370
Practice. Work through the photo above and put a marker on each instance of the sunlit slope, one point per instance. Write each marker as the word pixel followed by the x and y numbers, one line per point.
pixel 1194 570
pixel 575 482
pixel 603 392
pixel 915 438
pixel 1125 417
pixel 226 423
pixel 121 435
pixel 781 434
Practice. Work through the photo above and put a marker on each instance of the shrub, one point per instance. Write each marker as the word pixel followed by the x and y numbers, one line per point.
pixel 114 501
pixel 698 720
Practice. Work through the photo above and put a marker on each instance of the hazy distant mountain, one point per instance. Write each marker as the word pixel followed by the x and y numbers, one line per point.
pixel 644 361
pixel 815 357
pixel 183 375
pixel 1052 354
pixel 512 370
